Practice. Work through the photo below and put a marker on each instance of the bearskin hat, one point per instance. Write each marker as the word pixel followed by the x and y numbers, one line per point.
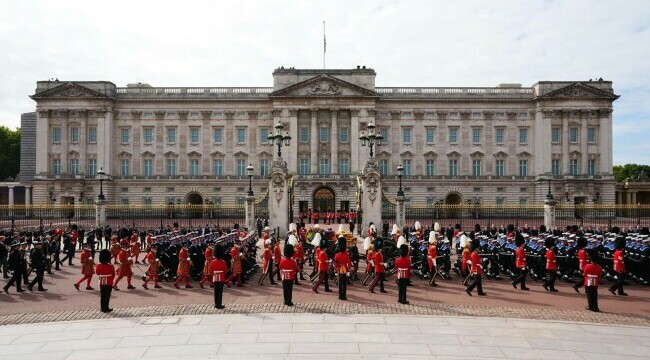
pixel 288 251
pixel 519 239
pixel 341 245
pixel 403 250
pixel 548 242
pixel 620 242
pixel 582 242
pixel 105 256
pixel 475 244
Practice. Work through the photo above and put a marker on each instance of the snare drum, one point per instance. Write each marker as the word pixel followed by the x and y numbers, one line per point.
pixel 218 276
pixel 402 273
pixel 592 280
pixel 103 280
pixel 286 275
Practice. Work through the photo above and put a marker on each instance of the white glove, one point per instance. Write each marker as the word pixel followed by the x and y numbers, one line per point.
pixel 385 264
pixel 348 274
pixel 157 259
pixel 188 259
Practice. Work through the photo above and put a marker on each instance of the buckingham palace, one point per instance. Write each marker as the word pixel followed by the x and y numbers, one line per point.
pixel 194 145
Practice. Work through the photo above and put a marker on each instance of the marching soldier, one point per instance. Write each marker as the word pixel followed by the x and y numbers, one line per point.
pixel 184 265
pixel 87 268
pixel 38 266
pixel 551 265
pixel 277 256
pixel 592 272
pixel 582 261
pixel 207 273
pixel 267 267
pixel 520 263
pixel 115 248
pixel 380 270
pixel 288 270
pixel 403 266
pixel 15 264
pixel 323 267
pixel 342 265
pixel 124 271
pixel 136 248
pixel 299 256
pixel 619 267
pixel 432 258
pixel 218 267
pixel 370 260
pixel 154 267
pixel 236 267
pixel 476 270
pixel 106 272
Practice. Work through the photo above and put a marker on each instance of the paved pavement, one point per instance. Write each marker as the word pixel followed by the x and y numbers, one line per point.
pixel 321 336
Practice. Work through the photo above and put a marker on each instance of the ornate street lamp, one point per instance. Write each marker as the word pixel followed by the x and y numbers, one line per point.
pixel 249 169
pixel 101 174
pixel 400 171
pixel 279 139
pixel 549 196
pixel 371 139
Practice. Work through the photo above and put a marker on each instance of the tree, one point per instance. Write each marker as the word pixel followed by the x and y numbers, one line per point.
pixel 630 171
pixel 9 153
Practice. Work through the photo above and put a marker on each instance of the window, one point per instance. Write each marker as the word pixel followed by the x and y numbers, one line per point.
pixel 476 167
pixel 56 166
pixel 406 163
pixel 523 167
pixel 194 135
pixel 523 201
pixel 500 201
pixel 147 167
pixel 523 136
pixel 499 136
pixel 431 167
pixel 453 135
pixel 124 201
pixel 501 189
pixel 344 167
pixel 171 135
pixel 591 167
pixel 264 167
pixel 194 167
pixel 383 167
pixel 74 135
pixel 241 167
pixel 555 135
pixel 476 136
pixel 591 135
pixel 406 135
pixel 124 135
pixel 324 168
pixel 573 167
pixel 453 167
pixel 430 200
pixel 324 135
pixel 171 167
pixel 92 135
pixel 264 136
pixel 148 135
pixel 555 167
pixel 304 167
pixel 124 167
pixel 92 167
pixel 573 135
pixel 384 135
pixel 147 201
pixel 304 134
pixel 217 135
pixel 56 135
pixel 241 136
pixel 74 166
pixel 344 135
pixel 431 136
pixel 147 190
pixel 217 165
pixel 500 167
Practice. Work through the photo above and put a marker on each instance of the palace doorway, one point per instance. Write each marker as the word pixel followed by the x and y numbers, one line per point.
pixel 453 198
pixel 324 200
pixel 195 201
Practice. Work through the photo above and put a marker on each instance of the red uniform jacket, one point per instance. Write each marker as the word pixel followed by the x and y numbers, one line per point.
pixel 218 269
pixel 288 269
pixel 277 254
pixel 466 256
pixel 582 259
pixel 594 270
pixel 153 264
pixel 551 264
pixel 619 265
pixel 433 254
pixel 106 274
pixel 207 261
pixel 370 258
pixel 403 266
pixel 267 258
pixel 342 263
pixel 477 266
pixel 298 253
pixel 520 258
pixel 379 263
pixel 87 263
pixel 322 260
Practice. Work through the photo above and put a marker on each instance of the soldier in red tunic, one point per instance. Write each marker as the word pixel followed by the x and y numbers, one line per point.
pixel 106 272
pixel 154 267
pixel 267 266
pixel 235 259
pixel 582 261
pixel 342 266
pixel 592 273
pixel 299 256
pixel 403 266
pixel 125 266
pixel 207 273
pixel 288 269
pixel 551 265
pixel 115 248
pixel 323 267
pixel 619 267
pixel 218 267
pixel 370 262
pixel 432 257
pixel 136 248
pixel 476 270
pixel 87 268
pixel 380 270
pixel 520 263
pixel 184 264
pixel 277 256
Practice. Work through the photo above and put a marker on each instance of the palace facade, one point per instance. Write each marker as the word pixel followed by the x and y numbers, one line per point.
pixel 159 145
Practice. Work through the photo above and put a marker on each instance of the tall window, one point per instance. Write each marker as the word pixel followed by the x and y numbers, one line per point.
pixel 453 167
pixel 218 167
pixel 406 163
pixel 476 136
pixel 383 167
pixel 476 167
pixel 324 134
pixel 344 135
pixel 453 135
pixel 523 167
pixel 555 167
pixel 74 166
pixel 523 136
pixel 324 167
pixel 304 167
pixel 241 167
pixel 431 136
pixel 74 135
pixel 148 135
pixel 92 167
pixel 573 135
pixel 241 136
pixel 124 167
pixel 264 167
pixel 56 166
pixel 264 136
pixel 555 135
pixel 171 135
pixel 500 200
pixel 194 135
pixel 304 134
pixel 406 135
pixel 194 167
pixel 591 135
pixel 574 167
pixel 147 201
pixel 499 135
pixel 344 167
pixel 56 135
pixel 384 134
pixel 147 167
pixel 431 167
pixel 500 167
pixel 591 167
pixel 171 167
pixel 217 135
pixel 92 135
pixel 124 135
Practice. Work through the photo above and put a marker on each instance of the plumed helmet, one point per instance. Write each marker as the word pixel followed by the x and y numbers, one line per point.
pixel 582 242
pixel 548 242
pixel 316 226
pixel 341 245
pixel 432 237
pixel 267 229
pixel 519 239
pixel 436 227
pixel 292 240
pixel 418 226
pixel 267 242
pixel 620 242
pixel 401 241
pixel 292 227
pixel 464 241
pixel 288 251
pixel 315 241
pixel 373 228
pixel 395 230
pixel 366 243
pixel 105 256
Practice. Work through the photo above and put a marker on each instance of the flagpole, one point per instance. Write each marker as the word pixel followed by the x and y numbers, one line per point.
pixel 324 45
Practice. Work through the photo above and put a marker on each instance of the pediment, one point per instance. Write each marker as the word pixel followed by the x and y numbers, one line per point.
pixel 578 91
pixel 147 154
pixel 383 154
pixel 501 154
pixel 69 91
pixel 217 154
pixel 124 154
pixel 407 154
pixel 524 154
pixel 264 154
pixel 430 154
pixel 194 154
pixel 477 154
pixel 453 154
pixel 241 154
pixel 171 154
pixel 323 86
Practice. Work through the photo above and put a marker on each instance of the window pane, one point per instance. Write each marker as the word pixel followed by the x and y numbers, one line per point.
pixel 56 135
pixel 124 167
pixel 407 167
pixel 74 166
pixel 171 167
pixel 125 136
pixel 194 167
pixel 74 135
pixel 555 135
pixel 453 167
pixel 148 167
pixel 324 167
pixel 453 135
pixel 384 134
pixel 194 135
pixel 555 167
pixel 406 135
pixel 148 135
pixel 500 167
pixel 304 134
pixel 383 167
pixel 304 166
pixel 324 134
pixel 431 136
pixel 591 167
pixel 92 167
pixel 264 167
pixel 431 168
pixel 591 135
pixel 264 136
pixel 171 135
pixel 476 136
pixel 344 134
pixel 476 167
pixel 217 135
pixel 241 167
pixel 344 168
pixel 523 136
pixel 523 167
pixel 92 135
pixel 56 166
pixel 573 135
pixel 218 169
pixel 241 136
pixel 499 135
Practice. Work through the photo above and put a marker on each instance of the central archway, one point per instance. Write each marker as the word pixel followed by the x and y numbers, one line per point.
pixel 193 199
pixel 324 199
pixel 194 210
pixel 453 198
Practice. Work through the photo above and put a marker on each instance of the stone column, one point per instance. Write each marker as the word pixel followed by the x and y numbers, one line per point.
pixel 28 195
pixel 279 196
pixel 250 213
pixel 549 213
pixel 628 198
pixel 633 202
pixel 565 144
pixel 354 141
pixel 371 197
pixel 293 132
pixel 400 211
pixel 11 195
pixel 584 156
pixel 335 142
pixel 314 142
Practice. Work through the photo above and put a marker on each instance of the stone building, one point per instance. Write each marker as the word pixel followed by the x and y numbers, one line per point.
pixel 494 145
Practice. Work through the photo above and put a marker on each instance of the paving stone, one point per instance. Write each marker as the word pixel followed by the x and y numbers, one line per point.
pixel 254 349
pixel 323 348
pixel 182 351
pixel 136 341
pixel 108 354
pixel 393 349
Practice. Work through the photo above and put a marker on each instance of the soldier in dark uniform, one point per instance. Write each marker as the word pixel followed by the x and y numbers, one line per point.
pixel 24 261
pixel 3 258
pixel 15 264
pixel 38 266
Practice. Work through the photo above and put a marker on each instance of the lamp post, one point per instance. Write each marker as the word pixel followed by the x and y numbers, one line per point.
pixel 249 169
pixel 400 171
pixel 549 196
pixel 101 174
pixel 371 139
pixel 279 139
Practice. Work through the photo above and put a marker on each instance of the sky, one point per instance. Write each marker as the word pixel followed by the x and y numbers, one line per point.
pixel 408 43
